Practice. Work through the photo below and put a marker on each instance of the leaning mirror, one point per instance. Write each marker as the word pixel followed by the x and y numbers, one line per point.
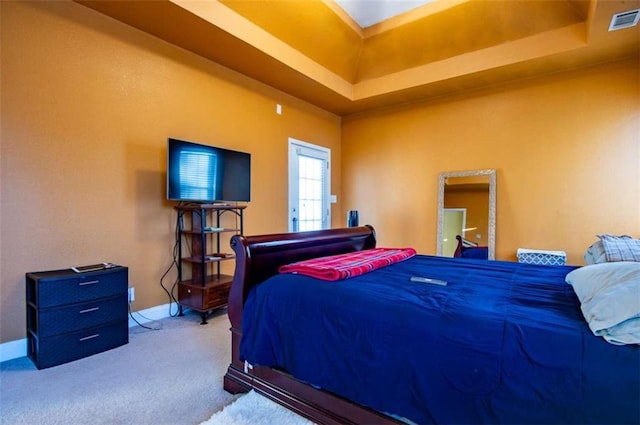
pixel 467 214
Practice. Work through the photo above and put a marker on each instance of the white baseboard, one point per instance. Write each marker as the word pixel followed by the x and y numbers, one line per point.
pixel 14 349
pixel 150 314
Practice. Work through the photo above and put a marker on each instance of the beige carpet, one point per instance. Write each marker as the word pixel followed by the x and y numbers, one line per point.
pixel 170 376
pixel 255 409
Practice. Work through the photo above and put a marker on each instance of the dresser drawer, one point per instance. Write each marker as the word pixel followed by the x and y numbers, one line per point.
pixel 55 350
pixel 59 320
pixel 216 297
pixel 203 298
pixel 57 288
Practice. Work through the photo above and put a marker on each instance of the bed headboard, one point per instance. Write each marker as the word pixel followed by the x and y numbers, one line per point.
pixel 259 257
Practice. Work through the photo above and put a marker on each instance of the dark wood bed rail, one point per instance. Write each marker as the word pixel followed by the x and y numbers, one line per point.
pixel 259 257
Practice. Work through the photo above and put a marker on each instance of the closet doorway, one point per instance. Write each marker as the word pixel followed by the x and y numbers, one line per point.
pixel 454 224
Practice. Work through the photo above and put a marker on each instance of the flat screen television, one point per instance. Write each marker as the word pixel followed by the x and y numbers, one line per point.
pixel 207 174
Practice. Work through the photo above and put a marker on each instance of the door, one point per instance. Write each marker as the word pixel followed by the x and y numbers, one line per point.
pixel 454 224
pixel 309 186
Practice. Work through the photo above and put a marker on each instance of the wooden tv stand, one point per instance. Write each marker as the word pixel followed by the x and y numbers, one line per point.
pixel 201 285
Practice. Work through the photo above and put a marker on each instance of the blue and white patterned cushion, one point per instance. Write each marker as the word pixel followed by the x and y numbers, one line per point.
pixel 541 257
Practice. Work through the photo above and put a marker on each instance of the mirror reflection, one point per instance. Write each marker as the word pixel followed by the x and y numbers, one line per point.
pixel 466 214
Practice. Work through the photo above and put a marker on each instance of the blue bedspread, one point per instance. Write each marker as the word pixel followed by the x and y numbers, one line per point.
pixel 503 342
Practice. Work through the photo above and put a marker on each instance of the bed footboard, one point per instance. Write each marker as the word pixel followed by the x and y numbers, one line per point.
pixel 258 258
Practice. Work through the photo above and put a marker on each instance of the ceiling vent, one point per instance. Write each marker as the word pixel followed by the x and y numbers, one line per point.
pixel 624 20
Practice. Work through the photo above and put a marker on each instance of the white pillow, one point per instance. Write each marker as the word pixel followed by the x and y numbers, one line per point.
pixel 609 294
pixel 595 254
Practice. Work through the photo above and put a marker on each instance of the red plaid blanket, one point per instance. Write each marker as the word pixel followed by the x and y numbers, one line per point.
pixel 344 266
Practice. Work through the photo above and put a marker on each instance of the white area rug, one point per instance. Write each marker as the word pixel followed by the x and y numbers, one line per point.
pixel 255 409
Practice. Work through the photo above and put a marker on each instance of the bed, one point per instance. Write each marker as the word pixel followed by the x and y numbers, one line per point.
pixel 501 342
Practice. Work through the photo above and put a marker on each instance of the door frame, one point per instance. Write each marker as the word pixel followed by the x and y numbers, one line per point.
pixel 324 154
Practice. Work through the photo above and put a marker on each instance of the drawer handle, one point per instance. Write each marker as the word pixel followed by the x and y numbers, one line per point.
pixel 90 282
pixel 89 310
pixel 89 337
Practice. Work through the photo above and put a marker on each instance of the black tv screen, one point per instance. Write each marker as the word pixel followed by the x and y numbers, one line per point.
pixel 206 174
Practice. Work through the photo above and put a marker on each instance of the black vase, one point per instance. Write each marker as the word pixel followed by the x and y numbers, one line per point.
pixel 352 218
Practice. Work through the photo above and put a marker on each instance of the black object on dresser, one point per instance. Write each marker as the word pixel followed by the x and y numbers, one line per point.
pixel 74 315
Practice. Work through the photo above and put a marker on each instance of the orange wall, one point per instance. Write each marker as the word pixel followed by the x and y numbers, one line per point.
pixel 566 148
pixel 87 106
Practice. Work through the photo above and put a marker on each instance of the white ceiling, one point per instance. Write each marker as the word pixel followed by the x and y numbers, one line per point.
pixel 371 12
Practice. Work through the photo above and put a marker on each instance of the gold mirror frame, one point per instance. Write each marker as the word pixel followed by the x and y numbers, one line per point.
pixel 491 173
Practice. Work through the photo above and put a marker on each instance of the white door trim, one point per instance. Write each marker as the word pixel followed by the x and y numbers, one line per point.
pixel 296 147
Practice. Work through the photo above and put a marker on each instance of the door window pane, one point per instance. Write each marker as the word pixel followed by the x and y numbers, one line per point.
pixel 310 172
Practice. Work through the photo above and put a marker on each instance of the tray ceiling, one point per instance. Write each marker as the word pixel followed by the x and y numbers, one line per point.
pixel 316 51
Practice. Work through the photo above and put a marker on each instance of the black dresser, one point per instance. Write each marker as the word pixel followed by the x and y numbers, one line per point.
pixel 74 315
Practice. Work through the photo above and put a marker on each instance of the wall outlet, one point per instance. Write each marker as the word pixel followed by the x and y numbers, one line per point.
pixel 132 295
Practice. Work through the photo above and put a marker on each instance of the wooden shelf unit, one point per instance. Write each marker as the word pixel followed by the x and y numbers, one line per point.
pixel 201 284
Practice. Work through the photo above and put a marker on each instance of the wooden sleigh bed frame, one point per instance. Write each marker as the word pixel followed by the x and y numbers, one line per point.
pixel 259 257
pixel 480 362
